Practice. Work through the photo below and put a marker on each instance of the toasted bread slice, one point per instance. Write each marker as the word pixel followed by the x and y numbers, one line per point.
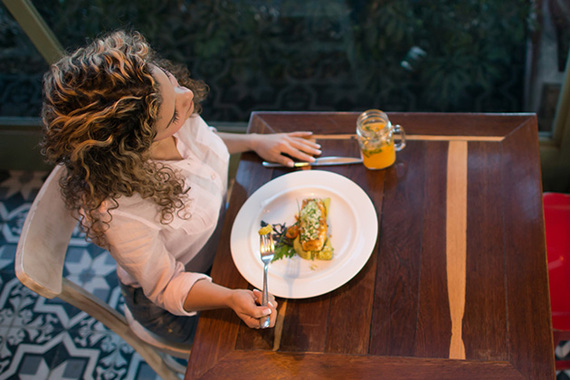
pixel 313 224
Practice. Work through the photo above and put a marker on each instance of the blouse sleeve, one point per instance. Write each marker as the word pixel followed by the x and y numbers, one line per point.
pixel 139 250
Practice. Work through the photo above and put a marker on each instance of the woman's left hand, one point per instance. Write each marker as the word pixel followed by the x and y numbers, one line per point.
pixel 272 147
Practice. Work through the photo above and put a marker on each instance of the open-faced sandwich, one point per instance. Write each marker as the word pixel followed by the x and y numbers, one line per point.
pixel 312 241
pixel 308 237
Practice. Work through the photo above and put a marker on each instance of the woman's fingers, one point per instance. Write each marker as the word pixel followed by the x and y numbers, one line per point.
pixel 258 297
pixel 282 147
pixel 262 312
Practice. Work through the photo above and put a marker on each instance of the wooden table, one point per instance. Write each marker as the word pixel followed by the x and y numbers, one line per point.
pixel 457 285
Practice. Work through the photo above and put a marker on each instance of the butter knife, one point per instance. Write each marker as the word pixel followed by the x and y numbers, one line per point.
pixel 322 161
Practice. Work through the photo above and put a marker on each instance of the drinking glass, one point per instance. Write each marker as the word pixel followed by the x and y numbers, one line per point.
pixel 376 138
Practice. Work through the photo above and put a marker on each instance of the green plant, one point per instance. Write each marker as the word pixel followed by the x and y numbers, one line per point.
pixel 405 55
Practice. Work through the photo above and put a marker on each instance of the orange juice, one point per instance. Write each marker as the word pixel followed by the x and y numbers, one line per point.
pixel 376 139
pixel 376 145
pixel 379 158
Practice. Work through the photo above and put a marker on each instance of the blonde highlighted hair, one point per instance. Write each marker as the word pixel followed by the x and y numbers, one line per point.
pixel 99 113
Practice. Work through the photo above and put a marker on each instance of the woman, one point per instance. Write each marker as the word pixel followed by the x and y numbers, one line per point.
pixel 149 177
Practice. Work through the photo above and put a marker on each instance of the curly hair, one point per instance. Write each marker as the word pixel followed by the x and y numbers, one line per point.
pixel 99 112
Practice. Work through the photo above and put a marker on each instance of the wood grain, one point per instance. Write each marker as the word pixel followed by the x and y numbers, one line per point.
pixel 527 273
pixel 415 137
pixel 396 297
pixel 448 124
pixel 456 242
pixel 395 318
pixel 279 325
pixel 434 321
pixel 485 293
pixel 264 365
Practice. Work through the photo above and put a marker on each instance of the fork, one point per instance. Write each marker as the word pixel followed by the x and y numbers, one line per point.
pixel 267 251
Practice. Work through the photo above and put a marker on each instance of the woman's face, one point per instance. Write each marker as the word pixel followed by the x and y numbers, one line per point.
pixel 177 104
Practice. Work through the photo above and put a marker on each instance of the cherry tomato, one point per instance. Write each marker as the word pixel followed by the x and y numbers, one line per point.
pixel 292 231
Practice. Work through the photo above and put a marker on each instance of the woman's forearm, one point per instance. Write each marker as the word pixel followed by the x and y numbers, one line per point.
pixel 277 147
pixel 206 295
pixel 239 142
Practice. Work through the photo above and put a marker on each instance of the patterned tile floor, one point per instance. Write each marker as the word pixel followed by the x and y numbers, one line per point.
pixel 49 339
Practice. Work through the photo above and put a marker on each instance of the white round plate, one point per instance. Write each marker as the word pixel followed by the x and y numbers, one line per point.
pixel 352 226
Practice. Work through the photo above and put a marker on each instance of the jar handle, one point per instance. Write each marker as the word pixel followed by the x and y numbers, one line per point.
pixel 399 131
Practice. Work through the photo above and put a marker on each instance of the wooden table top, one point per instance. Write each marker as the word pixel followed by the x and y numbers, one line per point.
pixel 456 287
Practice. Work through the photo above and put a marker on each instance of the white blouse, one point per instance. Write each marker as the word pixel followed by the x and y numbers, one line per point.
pixel 166 260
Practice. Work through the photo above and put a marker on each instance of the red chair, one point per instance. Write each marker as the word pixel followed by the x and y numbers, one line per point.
pixel 557 223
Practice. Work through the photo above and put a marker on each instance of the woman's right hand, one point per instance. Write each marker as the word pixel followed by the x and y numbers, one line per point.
pixel 245 303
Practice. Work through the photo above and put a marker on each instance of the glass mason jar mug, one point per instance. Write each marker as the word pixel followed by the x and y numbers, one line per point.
pixel 376 137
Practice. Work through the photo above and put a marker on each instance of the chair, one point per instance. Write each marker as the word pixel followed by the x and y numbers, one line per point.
pixel 557 223
pixel 39 264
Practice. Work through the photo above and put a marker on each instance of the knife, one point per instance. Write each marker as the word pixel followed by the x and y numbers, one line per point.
pixel 323 161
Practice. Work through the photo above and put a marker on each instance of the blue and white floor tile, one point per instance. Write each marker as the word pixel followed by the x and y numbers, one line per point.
pixel 49 339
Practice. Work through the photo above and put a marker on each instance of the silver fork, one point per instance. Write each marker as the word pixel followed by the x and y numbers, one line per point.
pixel 267 250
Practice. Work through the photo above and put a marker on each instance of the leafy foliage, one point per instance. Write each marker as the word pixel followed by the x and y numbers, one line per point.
pixel 283 244
pixel 397 55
